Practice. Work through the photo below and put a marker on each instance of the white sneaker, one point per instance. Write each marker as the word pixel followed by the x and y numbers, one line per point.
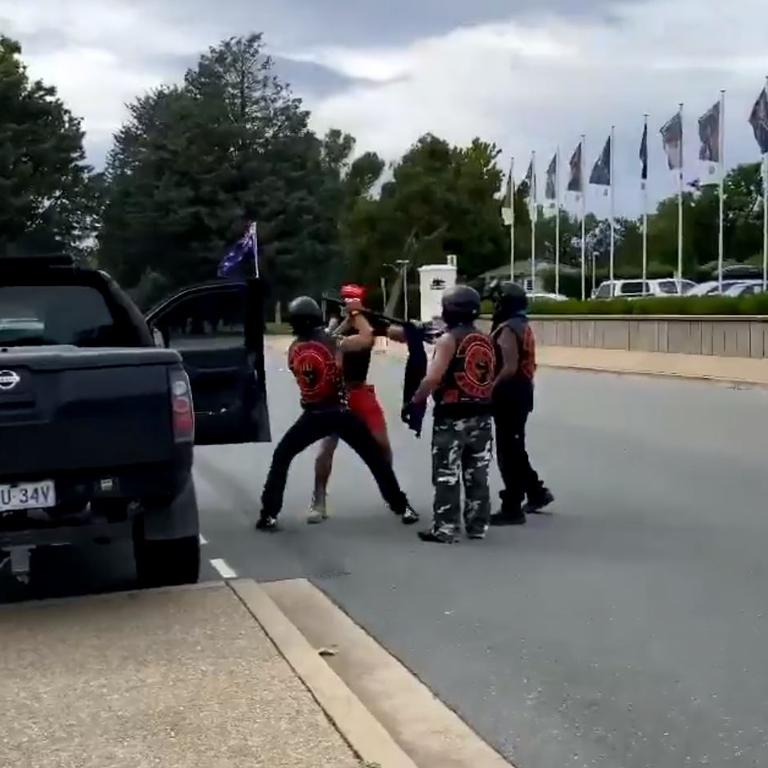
pixel 317 513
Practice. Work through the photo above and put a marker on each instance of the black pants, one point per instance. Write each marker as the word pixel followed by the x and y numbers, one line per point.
pixel 520 478
pixel 312 426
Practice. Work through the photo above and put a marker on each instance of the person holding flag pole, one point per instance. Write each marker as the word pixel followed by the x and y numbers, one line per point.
pixel 576 184
pixel 644 187
pixel 758 119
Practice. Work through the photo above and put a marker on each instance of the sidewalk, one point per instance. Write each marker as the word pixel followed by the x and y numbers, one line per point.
pixel 734 370
pixel 168 679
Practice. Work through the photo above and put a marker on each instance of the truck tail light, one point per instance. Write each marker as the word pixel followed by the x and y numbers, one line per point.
pixel 182 410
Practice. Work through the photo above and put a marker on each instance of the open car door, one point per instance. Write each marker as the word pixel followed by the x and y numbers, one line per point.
pixel 218 329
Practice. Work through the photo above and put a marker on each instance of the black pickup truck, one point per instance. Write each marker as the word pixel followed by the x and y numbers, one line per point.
pixel 100 409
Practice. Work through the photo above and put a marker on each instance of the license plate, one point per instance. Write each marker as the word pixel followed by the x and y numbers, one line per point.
pixel 38 495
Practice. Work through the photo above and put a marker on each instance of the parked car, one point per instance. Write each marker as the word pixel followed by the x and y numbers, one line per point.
pixel 712 287
pixel 544 296
pixel 100 408
pixel 637 289
pixel 746 288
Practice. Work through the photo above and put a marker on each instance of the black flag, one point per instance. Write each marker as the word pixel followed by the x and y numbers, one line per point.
pixel 759 120
pixel 601 173
pixel 644 154
pixel 575 180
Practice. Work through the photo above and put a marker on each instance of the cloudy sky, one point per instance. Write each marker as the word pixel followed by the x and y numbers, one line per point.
pixel 527 74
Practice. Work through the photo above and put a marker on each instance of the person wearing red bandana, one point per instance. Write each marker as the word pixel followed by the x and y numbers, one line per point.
pixel 357 341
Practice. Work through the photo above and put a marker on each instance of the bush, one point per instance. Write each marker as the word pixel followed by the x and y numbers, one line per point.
pixel 672 305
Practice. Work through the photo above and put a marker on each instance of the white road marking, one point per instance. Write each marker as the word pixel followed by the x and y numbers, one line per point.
pixel 222 566
pixel 203 540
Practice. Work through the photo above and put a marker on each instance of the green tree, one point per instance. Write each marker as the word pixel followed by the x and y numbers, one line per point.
pixel 48 203
pixel 441 199
pixel 194 164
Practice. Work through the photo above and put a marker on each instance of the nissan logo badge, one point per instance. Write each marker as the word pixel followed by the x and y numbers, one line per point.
pixel 8 380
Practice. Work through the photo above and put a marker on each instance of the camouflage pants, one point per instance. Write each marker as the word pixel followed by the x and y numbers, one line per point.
pixel 461 454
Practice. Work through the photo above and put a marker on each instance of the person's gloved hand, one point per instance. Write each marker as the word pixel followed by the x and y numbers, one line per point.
pixel 432 330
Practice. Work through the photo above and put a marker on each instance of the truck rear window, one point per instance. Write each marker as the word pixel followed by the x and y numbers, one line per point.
pixel 33 315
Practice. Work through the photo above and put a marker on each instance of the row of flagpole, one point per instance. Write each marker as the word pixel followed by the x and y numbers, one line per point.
pixel 712 151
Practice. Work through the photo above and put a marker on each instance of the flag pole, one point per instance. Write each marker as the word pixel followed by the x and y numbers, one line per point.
pixel 765 213
pixel 583 221
pixel 512 219
pixel 680 204
pixel 557 221
pixel 645 211
pixel 534 213
pixel 721 196
pixel 613 210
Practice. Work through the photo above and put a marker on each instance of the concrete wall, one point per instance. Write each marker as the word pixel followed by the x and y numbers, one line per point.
pixel 726 336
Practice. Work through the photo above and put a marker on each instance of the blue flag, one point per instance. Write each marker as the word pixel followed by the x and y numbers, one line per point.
pixel 234 264
pixel 758 119
pixel 601 173
pixel 709 133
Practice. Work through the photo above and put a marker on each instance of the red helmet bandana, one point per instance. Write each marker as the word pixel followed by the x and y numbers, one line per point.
pixel 352 292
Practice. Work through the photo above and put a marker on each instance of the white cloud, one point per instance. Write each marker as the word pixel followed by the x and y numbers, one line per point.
pixel 534 82
pixel 540 82
pixel 99 55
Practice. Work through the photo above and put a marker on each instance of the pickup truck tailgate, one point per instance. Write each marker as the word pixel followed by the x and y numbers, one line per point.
pixel 69 408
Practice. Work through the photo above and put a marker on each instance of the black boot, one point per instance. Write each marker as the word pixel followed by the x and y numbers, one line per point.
pixel 437 537
pixel 510 512
pixel 505 518
pixel 266 523
pixel 538 502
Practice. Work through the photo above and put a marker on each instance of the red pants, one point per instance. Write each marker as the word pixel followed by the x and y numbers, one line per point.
pixel 365 405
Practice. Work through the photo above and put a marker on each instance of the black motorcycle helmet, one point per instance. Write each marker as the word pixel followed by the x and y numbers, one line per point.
pixel 511 300
pixel 304 315
pixel 461 304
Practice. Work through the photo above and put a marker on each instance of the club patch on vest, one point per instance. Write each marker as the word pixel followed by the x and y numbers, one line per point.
pixel 314 367
pixel 477 364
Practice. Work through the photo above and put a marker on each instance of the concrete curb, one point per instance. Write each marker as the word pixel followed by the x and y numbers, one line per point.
pixel 367 737
pixel 433 734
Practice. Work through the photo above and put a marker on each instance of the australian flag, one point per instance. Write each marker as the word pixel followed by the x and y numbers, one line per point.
pixel 759 120
pixel 601 173
pixel 243 253
pixel 575 181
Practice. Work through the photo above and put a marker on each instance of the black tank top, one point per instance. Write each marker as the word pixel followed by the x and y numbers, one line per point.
pixel 466 388
pixel 356 364
pixel 312 361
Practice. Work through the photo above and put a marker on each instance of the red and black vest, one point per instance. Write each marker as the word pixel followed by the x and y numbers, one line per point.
pixel 467 386
pixel 313 363
pixel 526 347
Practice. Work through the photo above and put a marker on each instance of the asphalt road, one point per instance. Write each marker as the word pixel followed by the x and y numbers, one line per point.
pixel 626 629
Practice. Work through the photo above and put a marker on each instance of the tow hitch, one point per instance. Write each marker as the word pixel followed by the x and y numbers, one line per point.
pixel 16 561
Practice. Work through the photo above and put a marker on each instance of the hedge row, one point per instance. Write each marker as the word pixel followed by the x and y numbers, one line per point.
pixel 672 305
